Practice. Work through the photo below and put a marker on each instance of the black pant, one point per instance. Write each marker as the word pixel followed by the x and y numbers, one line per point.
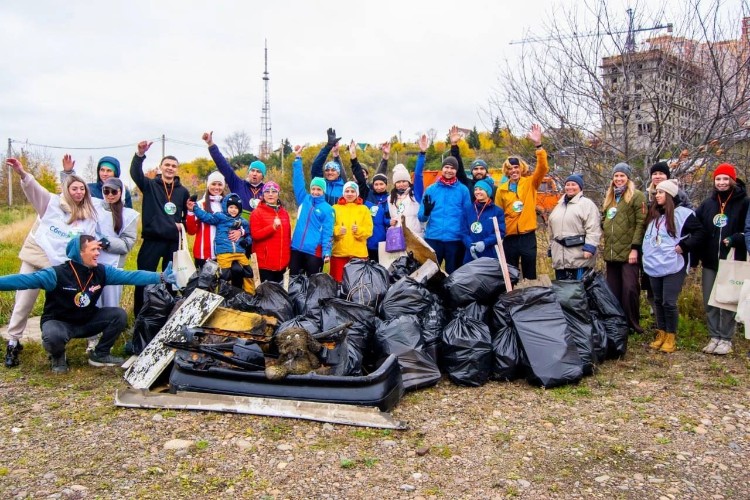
pixel 666 290
pixel 522 247
pixel 623 279
pixel 452 252
pixel 373 254
pixel 301 262
pixel 266 275
pixel 148 258
pixel 109 321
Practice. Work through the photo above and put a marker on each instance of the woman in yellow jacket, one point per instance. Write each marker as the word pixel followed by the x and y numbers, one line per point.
pixel 517 198
pixel 352 227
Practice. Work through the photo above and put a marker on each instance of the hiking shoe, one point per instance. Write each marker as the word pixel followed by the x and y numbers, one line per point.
pixel 11 355
pixel 59 364
pixel 104 360
pixel 91 344
pixel 713 343
pixel 724 347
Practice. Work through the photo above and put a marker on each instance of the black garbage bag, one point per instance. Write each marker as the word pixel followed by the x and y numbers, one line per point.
pixel 475 310
pixel 270 299
pixel 406 296
pixel 467 351
pixel 543 331
pixel 335 312
pixel 207 278
pixel 433 322
pixel 571 295
pixel 158 303
pixel 508 359
pixel 402 336
pixel 402 267
pixel 299 322
pixel 297 291
pixel 320 286
pixel 598 336
pixel 365 282
pixel 480 280
pixel 604 304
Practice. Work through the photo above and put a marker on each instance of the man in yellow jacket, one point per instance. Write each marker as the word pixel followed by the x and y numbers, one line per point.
pixel 517 198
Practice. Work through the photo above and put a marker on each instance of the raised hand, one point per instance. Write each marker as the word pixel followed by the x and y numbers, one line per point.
pixel 455 135
pixel 353 150
pixel 143 147
pixel 386 149
pixel 209 138
pixel 332 139
pixel 297 150
pixel 68 163
pixel 15 164
pixel 423 142
pixel 535 134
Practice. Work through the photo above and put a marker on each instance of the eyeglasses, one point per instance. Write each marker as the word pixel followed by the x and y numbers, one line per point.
pixel 109 192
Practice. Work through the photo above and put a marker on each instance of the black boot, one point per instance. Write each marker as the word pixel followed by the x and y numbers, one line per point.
pixel 12 354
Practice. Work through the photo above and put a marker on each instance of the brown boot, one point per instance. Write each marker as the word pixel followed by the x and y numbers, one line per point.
pixel 669 344
pixel 660 336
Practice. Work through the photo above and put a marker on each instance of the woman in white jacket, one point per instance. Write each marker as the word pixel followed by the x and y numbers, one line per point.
pixel 61 217
pixel 405 196
pixel 575 231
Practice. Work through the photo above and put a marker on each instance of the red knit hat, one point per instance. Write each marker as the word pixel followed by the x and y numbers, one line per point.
pixel 726 169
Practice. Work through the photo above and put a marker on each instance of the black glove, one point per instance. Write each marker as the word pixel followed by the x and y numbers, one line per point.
pixel 193 197
pixel 332 139
pixel 236 224
pixel 428 205
pixel 104 243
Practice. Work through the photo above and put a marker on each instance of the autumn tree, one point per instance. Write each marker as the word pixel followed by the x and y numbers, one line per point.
pixel 237 143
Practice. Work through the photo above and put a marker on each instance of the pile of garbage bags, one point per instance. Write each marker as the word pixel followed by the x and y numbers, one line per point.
pixel 465 326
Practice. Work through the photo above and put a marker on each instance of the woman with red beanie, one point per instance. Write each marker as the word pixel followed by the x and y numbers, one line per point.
pixel 722 216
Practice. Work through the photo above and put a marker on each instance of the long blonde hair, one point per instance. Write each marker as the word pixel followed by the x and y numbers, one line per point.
pixel 78 211
pixel 609 199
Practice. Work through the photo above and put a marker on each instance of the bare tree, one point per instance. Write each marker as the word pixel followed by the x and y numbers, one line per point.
pixel 603 98
pixel 237 143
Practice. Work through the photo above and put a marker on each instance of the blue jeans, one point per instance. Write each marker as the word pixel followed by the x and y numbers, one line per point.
pixel 452 252
pixel 109 321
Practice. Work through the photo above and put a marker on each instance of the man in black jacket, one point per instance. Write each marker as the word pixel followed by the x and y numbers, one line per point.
pixel 163 214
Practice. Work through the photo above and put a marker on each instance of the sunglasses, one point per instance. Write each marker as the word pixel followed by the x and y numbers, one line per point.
pixel 109 192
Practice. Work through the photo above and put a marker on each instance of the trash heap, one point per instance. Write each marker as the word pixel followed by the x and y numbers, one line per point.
pixel 465 325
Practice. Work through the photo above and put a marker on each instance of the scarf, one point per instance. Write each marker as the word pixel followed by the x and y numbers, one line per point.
pixel 619 190
pixel 447 182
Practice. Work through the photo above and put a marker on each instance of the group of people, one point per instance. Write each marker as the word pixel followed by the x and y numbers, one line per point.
pixel 82 236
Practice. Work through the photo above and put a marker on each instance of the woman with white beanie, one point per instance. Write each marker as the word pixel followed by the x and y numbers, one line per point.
pixel 405 196
pixel 203 248
pixel 672 232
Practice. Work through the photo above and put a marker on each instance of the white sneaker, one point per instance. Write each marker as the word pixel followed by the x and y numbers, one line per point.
pixel 711 346
pixel 724 347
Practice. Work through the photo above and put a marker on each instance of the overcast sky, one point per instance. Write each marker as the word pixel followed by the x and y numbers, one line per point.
pixel 98 74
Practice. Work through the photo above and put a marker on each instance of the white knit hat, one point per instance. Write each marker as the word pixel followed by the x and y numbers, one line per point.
pixel 669 186
pixel 400 173
pixel 215 176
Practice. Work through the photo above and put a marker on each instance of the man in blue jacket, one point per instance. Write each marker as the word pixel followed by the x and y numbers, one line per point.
pixel 73 289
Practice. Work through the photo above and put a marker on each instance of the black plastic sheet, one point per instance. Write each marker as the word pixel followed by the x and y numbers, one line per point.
pixel 365 282
pixel 402 336
pixel 467 351
pixel 270 299
pixel 605 307
pixel 158 303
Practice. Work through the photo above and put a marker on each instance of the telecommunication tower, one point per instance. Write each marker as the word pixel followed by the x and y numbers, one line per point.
pixel 266 144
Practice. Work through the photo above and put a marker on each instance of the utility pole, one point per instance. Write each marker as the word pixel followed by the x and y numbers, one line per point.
pixel 266 141
pixel 163 146
pixel 282 158
pixel 10 175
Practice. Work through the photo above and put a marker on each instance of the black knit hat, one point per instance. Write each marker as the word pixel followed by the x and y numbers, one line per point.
pixel 234 199
pixel 661 166
pixel 380 177
pixel 451 161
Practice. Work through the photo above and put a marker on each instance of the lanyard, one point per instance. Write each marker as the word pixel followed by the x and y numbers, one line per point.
pixel 82 287
pixel 722 205
pixel 479 214
pixel 255 191
pixel 168 193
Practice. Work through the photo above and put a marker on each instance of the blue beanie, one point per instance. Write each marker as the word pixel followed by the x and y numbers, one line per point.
pixel 479 163
pixel 575 178
pixel 332 165
pixel 259 165
pixel 109 162
pixel 484 186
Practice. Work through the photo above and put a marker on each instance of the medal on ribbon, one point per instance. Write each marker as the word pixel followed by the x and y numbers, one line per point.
pixel 254 203
pixel 400 208
pixel 170 208
pixel 517 206
pixel 82 299
pixel 476 227
pixel 721 220
pixel 374 210
pixel 611 212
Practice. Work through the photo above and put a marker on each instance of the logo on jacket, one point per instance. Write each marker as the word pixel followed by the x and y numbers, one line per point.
pixel 517 206
pixel 374 210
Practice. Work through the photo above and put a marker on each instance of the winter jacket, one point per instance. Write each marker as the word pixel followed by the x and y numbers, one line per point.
pixel 378 206
pixel 225 223
pixel 203 247
pixel 365 189
pixel 271 245
pixel 347 215
pixel 334 189
pixel 483 213
pixel 520 207
pixel 579 216
pixel 249 194
pixel 313 232
pixel 708 213
pixel 446 222
pixel 659 256
pixel 407 204
pixel 623 226
pixel 120 244
pixel 157 224
pixel 65 303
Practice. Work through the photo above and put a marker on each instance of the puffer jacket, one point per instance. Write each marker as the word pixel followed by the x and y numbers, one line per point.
pixel 446 222
pixel 579 216
pixel 520 207
pixel 736 210
pixel 623 226
pixel 225 223
pixel 313 232
pixel 270 244
pixel 348 214
pixel 483 215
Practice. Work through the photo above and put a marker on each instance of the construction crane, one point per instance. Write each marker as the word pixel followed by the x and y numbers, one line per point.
pixel 629 40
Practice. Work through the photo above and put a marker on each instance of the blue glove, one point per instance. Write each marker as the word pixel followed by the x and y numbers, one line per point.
pixel 479 246
pixel 168 276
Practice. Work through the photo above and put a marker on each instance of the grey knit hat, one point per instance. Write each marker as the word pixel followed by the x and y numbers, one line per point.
pixel 623 168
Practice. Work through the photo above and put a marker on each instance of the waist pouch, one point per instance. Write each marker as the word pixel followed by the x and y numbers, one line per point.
pixel 572 241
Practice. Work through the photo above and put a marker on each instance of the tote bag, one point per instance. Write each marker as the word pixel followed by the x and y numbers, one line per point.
pixel 729 280
pixel 182 261
pixel 394 239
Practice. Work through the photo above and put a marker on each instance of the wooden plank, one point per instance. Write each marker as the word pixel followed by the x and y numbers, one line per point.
pixel 156 357
pixel 308 410
pixel 501 256
pixel 238 321
pixel 256 270
pixel 425 272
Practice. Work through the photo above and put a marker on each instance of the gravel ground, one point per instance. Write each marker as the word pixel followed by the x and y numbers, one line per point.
pixel 650 426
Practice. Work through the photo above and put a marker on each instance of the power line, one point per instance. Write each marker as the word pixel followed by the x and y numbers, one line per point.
pixel 73 147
